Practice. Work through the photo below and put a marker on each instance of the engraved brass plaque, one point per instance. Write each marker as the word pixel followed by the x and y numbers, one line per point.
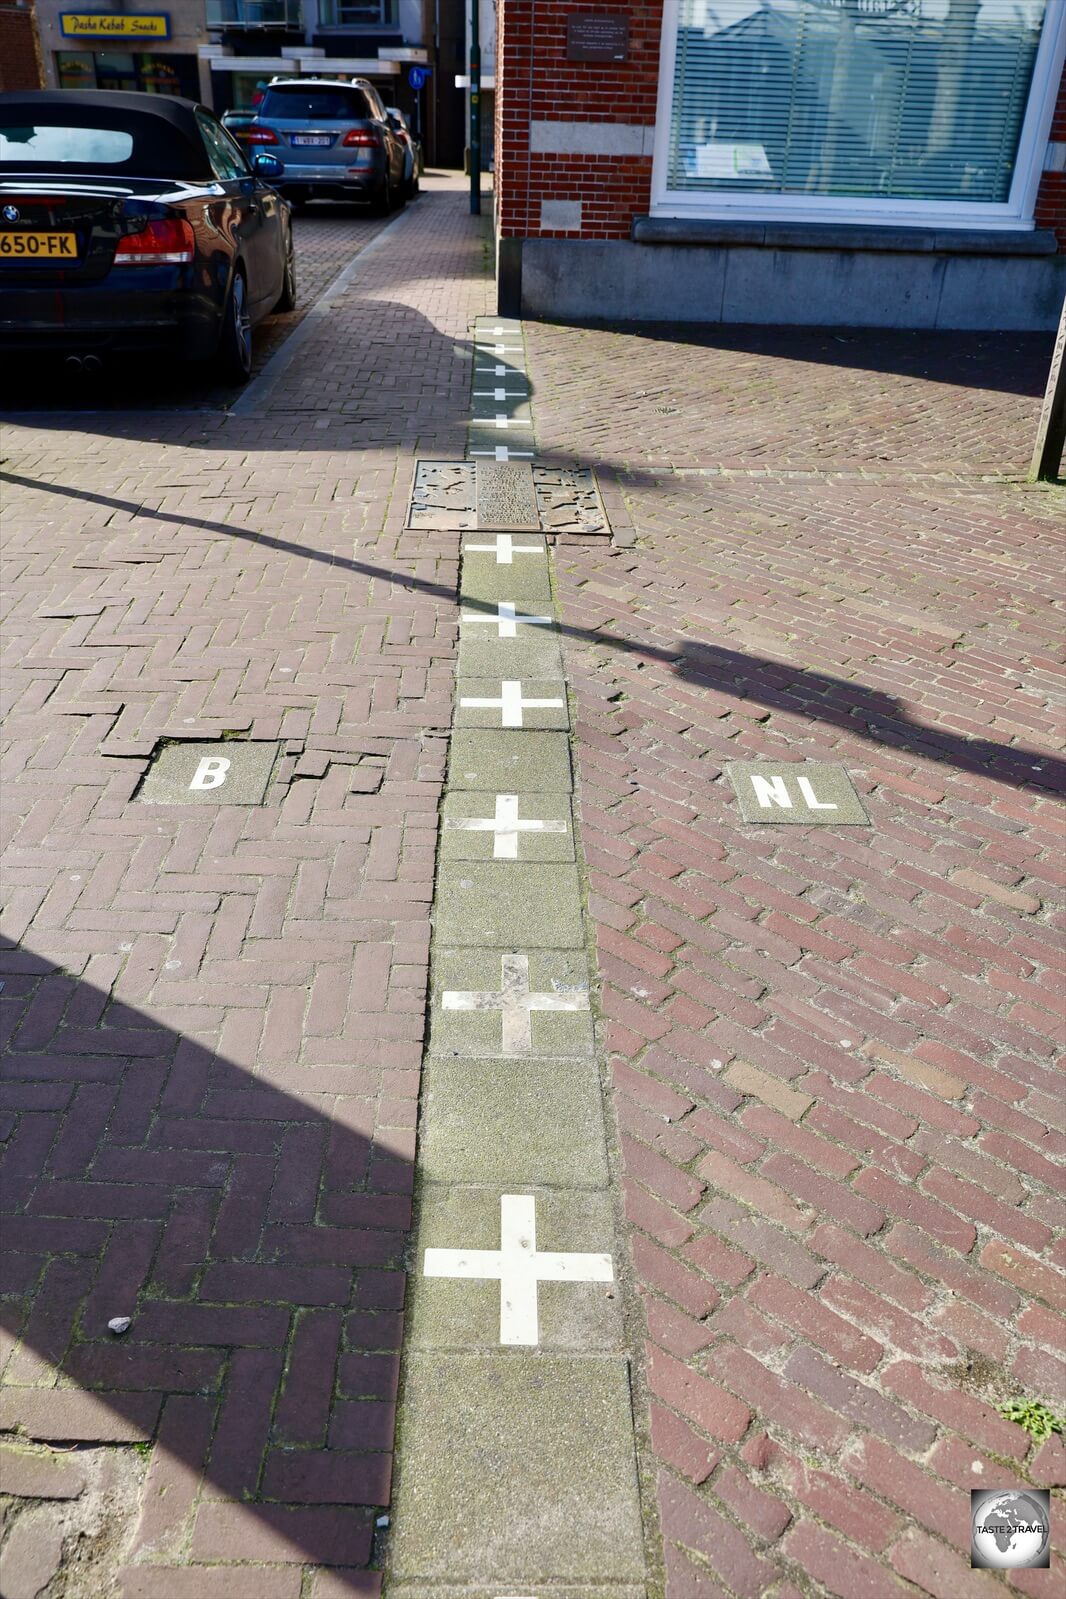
pixel 506 497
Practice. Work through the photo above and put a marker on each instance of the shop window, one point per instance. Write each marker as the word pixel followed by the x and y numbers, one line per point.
pixel 158 75
pixel 857 110
pixel 74 70
pixel 116 70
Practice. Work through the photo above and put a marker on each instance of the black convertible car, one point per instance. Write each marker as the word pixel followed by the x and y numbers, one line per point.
pixel 134 222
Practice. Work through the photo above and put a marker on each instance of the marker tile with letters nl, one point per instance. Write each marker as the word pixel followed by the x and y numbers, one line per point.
pixel 803 793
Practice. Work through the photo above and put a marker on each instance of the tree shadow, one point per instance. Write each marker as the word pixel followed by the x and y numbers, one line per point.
pixel 844 703
pixel 252 1224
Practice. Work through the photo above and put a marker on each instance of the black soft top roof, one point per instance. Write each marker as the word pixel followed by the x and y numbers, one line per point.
pixel 166 139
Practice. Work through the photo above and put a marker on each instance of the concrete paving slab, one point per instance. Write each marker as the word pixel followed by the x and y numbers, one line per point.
pixel 223 772
pixel 488 403
pixel 464 1311
pixel 417 1590
pixel 526 578
pixel 485 443
pixel 493 1002
pixel 484 1122
pixel 532 904
pixel 507 620
pixel 517 1471
pixel 511 702
pixel 536 656
pixel 803 793
pixel 527 763
pixel 482 827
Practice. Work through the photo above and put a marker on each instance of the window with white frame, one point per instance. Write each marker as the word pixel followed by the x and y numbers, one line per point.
pixel 914 111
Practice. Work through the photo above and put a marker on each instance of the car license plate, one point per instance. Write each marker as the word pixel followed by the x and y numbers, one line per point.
pixel 39 246
pixel 313 138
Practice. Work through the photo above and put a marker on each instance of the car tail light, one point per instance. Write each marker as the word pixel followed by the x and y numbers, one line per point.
pixel 363 136
pixel 161 242
pixel 260 136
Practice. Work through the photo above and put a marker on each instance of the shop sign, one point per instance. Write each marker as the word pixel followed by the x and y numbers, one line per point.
pixel 114 25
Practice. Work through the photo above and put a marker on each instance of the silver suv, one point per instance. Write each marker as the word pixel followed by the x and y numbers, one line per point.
pixel 334 140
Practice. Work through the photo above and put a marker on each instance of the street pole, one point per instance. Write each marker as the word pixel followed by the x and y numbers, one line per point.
pixel 475 108
pixel 1051 429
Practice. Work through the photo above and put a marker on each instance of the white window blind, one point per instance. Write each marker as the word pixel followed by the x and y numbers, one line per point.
pixel 904 101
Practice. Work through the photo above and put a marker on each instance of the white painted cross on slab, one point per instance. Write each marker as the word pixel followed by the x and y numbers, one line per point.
pixel 518 1266
pixel 507 620
pixel 515 1003
pixel 505 826
pixel 505 549
pixel 510 703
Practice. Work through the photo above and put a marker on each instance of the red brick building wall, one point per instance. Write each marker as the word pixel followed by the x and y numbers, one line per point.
pixel 535 82
pixel 1051 199
pixel 20 65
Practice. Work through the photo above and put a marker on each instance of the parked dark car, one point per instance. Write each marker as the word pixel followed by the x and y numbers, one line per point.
pixel 334 139
pixel 415 166
pixel 237 123
pixel 133 222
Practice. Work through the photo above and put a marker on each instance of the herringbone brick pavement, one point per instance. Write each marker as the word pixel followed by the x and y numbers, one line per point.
pixel 835 1052
pixel 214 1013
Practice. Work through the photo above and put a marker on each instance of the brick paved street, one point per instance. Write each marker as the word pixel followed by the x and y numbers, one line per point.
pixel 835 1120
pixel 215 1012
pixel 833 1050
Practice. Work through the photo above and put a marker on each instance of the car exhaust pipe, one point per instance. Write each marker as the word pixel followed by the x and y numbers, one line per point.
pixel 92 366
pixel 73 365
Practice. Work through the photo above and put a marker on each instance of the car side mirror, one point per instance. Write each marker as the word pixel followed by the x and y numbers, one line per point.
pixel 394 123
pixel 267 166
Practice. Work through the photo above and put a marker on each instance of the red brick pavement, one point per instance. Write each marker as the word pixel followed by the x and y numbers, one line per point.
pixel 833 1050
pixel 214 1014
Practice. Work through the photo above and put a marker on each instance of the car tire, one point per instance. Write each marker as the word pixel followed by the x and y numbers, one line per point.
pixel 233 358
pixel 413 188
pixel 381 201
pixel 287 298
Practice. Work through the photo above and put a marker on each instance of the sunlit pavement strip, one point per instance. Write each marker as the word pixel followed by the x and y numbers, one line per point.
pixel 516 1472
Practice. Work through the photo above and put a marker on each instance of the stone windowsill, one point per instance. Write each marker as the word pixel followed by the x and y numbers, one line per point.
pixel 832 236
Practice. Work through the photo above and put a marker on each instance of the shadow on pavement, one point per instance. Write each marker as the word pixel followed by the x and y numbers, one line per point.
pixel 837 702
pixel 252 1228
pixel 1011 363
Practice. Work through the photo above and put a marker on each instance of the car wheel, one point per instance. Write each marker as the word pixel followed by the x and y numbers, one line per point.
pixel 381 203
pixel 287 297
pixel 412 188
pixel 233 359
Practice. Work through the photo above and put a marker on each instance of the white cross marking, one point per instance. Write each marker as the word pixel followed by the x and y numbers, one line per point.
pixel 502 453
pixel 506 620
pixel 514 1002
pixel 518 1266
pixel 510 703
pixel 501 371
pixel 497 330
pixel 504 549
pixel 505 827
pixel 499 349
pixel 496 394
pixel 502 422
